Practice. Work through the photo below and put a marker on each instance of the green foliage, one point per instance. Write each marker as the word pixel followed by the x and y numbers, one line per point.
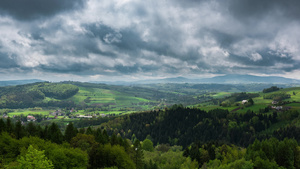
pixel 110 156
pixel 60 155
pixel 70 132
pixel 34 95
pixel 2 125
pixel 147 145
pixel 182 126
pixel 237 164
pixel 271 89
pixel 138 154
pixel 265 163
pixel 273 153
pixel 58 91
pixel 277 96
pixel 34 159
pixel 54 134
pixel 168 160
pixel 9 148
pixel 19 130
pixel 235 97
pixel 251 101
pixel 83 141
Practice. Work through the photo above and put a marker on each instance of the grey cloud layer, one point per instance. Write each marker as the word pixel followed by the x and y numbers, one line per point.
pixel 150 38
pixel 34 9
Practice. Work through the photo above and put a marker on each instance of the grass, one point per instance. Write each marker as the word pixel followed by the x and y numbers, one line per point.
pixel 254 108
pixel 261 100
pixel 294 106
pixel 115 99
pixel 28 112
pixel 221 94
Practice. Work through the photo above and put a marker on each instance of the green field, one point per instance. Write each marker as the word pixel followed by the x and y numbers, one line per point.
pixel 254 108
pixel 221 94
pixel 114 99
pixel 28 112
pixel 259 102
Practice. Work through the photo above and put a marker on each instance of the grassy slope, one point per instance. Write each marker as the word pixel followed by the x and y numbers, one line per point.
pixel 27 112
pixel 260 102
pixel 119 102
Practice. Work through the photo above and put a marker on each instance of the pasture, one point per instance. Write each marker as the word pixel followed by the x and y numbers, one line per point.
pixel 27 112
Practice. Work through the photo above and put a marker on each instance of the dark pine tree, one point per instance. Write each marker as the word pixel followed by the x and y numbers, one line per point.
pixel 70 132
pixel 54 134
pixel 19 130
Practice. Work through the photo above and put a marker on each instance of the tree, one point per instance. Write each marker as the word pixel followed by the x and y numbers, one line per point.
pixel 113 139
pixel 9 126
pixel 83 141
pixel 31 129
pixel 54 134
pixel 147 145
pixel 70 132
pixel 19 130
pixel 108 156
pixel 89 131
pixel 105 137
pixel 34 159
pixel 138 154
pixel 2 125
pixel 251 101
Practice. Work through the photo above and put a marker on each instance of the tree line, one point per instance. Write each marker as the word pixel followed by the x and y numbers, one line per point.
pixel 182 126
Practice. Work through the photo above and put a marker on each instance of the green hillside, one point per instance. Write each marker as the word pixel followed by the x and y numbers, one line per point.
pixel 109 99
pixel 287 97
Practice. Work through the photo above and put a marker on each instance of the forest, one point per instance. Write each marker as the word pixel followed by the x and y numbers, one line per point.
pixel 258 134
pixel 214 139
pixel 33 95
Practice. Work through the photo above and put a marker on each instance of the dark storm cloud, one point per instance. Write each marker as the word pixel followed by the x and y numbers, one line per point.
pixel 79 68
pixel 259 8
pixel 267 60
pixel 127 69
pixel 129 41
pixel 7 61
pixel 151 37
pixel 34 9
pixel 223 38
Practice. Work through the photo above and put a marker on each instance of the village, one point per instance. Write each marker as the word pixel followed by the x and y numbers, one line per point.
pixel 57 114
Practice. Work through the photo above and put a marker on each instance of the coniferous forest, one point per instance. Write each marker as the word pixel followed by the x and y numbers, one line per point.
pixel 213 139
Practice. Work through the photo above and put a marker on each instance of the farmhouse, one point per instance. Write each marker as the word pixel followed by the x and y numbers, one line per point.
pixel 30 118
pixel 82 116
pixel 277 107
pixel 244 101
pixel 103 115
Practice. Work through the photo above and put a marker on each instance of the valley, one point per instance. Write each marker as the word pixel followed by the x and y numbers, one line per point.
pixel 186 125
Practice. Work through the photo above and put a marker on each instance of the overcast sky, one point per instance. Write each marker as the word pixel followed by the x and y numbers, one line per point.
pixel 93 40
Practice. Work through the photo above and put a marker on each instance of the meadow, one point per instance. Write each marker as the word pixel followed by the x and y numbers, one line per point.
pixel 109 99
pixel 26 112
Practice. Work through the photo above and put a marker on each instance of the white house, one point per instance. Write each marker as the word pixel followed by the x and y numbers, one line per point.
pixel 244 101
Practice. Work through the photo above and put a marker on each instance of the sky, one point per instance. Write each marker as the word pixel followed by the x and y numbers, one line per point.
pixel 117 40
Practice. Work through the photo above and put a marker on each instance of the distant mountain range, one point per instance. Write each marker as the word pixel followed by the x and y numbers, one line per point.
pixel 226 79
pixel 236 79
pixel 19 82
